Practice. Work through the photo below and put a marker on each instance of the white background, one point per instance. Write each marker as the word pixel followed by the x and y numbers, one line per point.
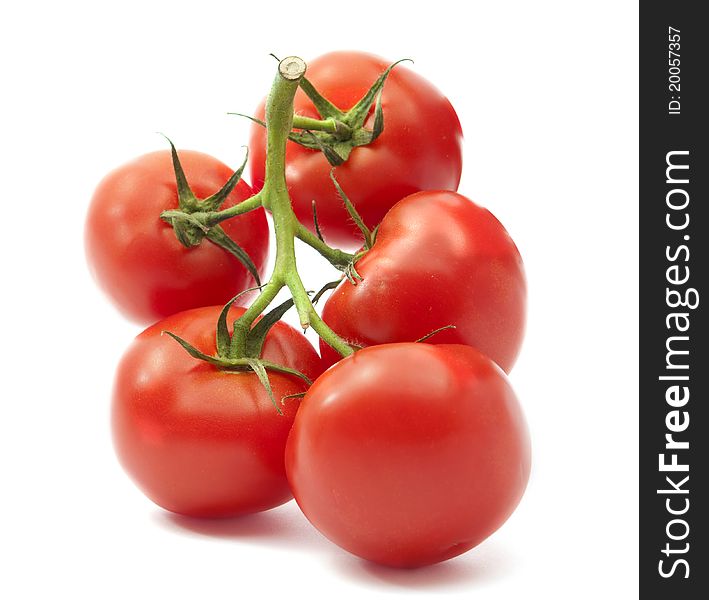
pixel 547 94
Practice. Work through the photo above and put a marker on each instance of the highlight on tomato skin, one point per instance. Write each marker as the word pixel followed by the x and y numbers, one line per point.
pixel 438 260
pixel 409 454
pixel 199 441
pixel 137 260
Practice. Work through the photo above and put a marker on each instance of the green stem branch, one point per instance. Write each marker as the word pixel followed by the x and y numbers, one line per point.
pixel 309 316
pixel 214 218
pixel 274 196
pixel 242 326
pixel 337 258
pixel 338 128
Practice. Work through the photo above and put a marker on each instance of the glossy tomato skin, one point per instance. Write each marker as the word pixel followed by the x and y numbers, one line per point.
pixel 438 259
pixel 419 149
pixel 136 258
pixel 199 441
pixel 409 454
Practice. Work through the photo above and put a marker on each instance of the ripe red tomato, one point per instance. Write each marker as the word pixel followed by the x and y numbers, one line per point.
pixel 136 258
pixel 197 440
pixel 409 454
pixel 419 149
pixel 438 259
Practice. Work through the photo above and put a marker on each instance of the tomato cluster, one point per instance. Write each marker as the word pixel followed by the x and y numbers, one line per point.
pixel 402 441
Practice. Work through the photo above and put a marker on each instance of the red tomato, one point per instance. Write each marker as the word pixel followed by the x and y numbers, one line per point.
pixel 198 440
pixel 135 256
pixel 419 149
pixel 439 259
pixel 409 454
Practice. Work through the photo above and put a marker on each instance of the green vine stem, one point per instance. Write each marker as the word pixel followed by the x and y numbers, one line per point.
pixel 330 125
pixel 337 258
pixel 274 196
pixel 214 218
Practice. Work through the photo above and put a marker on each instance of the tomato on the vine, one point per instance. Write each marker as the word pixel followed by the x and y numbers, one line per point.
pixel 198 440
pixel 419 148
pixel 137 259
pixel 403 453
pixel 409 454
pixel 438 260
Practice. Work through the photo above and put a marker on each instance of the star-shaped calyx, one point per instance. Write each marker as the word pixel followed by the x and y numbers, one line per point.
pixel 196 219
pixel 338 132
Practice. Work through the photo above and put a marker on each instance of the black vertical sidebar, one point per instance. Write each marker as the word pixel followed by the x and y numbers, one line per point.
pixel 674 300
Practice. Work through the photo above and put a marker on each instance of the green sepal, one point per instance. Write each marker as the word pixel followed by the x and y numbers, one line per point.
pixel 271 366
pixel 350 271
pixel 342 150
pixel 358 114
pixel 223 338
pixel 308 139
pixel 328 286
pixel 189 230
pixel 305 138
pixel 317 223
pixel 257 335
pixel 362 137
pixel 198 354
pixel 292 396
pixel 296 136
pixel 218 236
pixel 187 221
pixel 351 133
pixel 366 233
pixel 434 332
pixel 250 118
pixel 186 199
pixel 256 365
pixel 351 274
pixel 236 364
pixel 261 366
pixel 332 155
pixel 260 371
pixel 378 126
pixel 325 108
pixel 215 201
pixel 336 152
